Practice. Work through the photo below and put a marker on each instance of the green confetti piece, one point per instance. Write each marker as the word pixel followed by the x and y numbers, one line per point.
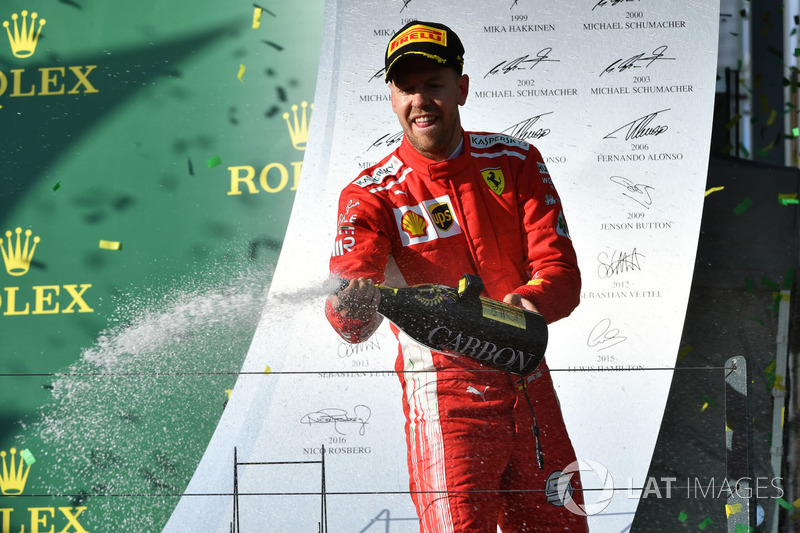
pixel 795 132
pixel 57 186
pixel 27 456
pixel 705 523
pixel 769 283
pixel 214 161
pixel 786 505
pixel 788 278
pixel 682 517
pixel 744 528
pixel 748 286
pixel 789 201
pixel 706 399
pixel 745 151
pixel 743 206
pixel 797 52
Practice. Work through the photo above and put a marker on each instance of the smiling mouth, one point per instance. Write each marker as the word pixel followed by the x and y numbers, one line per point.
pixel 425 121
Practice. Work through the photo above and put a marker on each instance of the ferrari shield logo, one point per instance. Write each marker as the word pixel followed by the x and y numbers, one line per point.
pixel 441 215
pixel 494 179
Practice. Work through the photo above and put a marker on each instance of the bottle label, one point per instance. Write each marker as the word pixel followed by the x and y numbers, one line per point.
pixel 503 313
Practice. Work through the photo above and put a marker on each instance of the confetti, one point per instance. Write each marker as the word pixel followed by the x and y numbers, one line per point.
pixel 714 189
pixel 229 392
pixel 276 46
pixel 110 245
pixel 214 161
pixel 744 528
pixel 795 132
pixel 264 9
pixel 733 509
pixel 732 122
pixel 267 370
pixel 748 285
pixel 705 523
pixel 684 352
pixel 771 118
pixel 57 186
pixel 682 517
pixel 743 206
pixel 770 283
pixel 257 17
pixel 241 72
pixel 786 505
pixel 796 503
pixel 27 456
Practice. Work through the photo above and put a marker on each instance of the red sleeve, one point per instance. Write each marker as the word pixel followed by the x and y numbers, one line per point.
pixel 361 250
pixel 555 282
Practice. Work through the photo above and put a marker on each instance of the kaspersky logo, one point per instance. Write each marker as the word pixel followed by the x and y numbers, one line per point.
pixel 24 30
pixel 13 477
pixel 18 249
pixel 274 177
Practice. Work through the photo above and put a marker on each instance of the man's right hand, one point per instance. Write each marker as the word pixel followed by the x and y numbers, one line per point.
pixel 358 301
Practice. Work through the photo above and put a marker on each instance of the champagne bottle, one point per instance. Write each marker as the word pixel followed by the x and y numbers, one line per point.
pixel 463 323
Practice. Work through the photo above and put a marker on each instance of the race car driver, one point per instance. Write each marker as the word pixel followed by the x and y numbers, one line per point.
pixel 485 448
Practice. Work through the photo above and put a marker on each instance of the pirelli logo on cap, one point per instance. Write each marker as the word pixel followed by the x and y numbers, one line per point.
pixel 418 33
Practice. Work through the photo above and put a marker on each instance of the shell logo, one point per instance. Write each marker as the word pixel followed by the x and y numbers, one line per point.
pixel 414 225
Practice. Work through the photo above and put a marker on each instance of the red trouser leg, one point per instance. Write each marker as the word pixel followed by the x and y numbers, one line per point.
pixel 469 439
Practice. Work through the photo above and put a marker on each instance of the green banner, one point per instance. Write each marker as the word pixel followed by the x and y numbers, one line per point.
pixel 149 157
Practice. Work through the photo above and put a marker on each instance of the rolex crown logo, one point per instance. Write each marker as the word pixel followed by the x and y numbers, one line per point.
pixel 13 479
pixel 298 128
pixel 17 256
pixel 23 42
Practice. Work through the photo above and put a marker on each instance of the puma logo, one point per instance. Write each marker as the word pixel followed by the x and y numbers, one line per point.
pixel 475 391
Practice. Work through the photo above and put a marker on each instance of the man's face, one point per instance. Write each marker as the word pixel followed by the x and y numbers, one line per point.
pixel 425 98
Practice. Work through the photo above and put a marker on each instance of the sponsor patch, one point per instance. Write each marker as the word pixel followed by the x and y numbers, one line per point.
pixel 427 221
pixel 418 33
pixel 542 168
pixel 413 224
pixel 495 179
pixel 442 215
pixel 484 141
pixel 378 174
pixel 561 228
pixel 558 484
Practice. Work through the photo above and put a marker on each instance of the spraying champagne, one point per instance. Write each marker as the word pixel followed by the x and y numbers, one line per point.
pixel 463 323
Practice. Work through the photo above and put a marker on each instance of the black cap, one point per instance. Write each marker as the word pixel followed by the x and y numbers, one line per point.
pixel 428 39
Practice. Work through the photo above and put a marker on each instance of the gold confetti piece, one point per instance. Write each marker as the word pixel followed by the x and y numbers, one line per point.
pixel 732 122
pixel 796 503
pixel 733 509
pixel 705 406
pixel 256 17
pixel 783 414
pixel 771 118
pixel 714 189
pixel 229 392
pixel 110 245
pixel 241 73
pixel 267 370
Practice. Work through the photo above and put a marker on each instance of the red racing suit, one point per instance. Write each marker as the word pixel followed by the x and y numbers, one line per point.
pixel 491 211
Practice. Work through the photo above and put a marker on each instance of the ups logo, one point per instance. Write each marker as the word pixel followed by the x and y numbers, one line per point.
pixel 441 215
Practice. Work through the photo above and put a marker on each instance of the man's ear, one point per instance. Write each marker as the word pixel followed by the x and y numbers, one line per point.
pixel 463 89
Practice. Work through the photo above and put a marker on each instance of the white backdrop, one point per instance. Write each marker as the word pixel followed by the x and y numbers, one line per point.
pixel 618 96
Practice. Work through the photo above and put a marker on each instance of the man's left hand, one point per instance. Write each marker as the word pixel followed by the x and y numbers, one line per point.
pixel 515 299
